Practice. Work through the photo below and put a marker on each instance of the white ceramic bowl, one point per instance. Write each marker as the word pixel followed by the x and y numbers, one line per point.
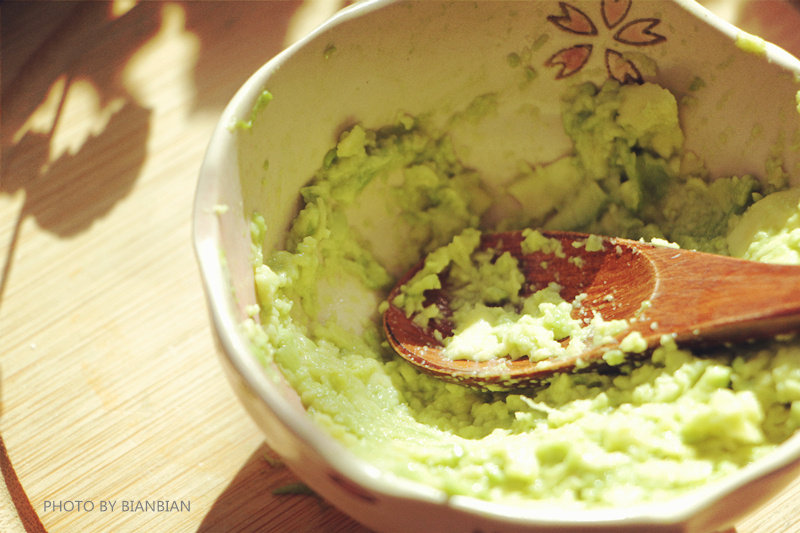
pixel 378 58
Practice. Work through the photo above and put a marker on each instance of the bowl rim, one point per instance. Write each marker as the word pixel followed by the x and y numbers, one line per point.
pixel 237 352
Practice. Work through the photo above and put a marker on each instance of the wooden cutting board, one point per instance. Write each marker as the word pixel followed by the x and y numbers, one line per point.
pixel 114 413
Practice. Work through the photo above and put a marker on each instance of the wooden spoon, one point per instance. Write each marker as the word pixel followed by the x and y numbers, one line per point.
pixel 698 298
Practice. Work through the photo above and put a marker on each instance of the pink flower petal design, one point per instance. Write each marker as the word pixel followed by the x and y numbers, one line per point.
pixel 570 59
pixel 573 20
pixel 638 32
pixel 615 11
pixel 621 69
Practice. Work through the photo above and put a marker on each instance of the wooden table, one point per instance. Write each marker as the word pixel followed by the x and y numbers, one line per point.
pixel 110 388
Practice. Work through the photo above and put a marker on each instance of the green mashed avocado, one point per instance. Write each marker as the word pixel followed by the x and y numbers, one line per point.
pixel 645 431
pixel 492 318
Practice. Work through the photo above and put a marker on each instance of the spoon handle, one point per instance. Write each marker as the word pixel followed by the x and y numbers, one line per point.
pixel 705 298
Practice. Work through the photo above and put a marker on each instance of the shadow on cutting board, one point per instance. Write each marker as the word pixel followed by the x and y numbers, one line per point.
pixel 266 496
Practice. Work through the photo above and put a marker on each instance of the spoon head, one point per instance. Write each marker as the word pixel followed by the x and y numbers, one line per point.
pixel 613 281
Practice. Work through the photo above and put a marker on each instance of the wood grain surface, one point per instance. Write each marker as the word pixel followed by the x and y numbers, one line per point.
pixel 110 388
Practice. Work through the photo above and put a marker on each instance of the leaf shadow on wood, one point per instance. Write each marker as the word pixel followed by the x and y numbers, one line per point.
pixel 67 190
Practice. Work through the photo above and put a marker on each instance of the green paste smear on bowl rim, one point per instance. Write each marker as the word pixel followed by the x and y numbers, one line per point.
pixel 647 431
